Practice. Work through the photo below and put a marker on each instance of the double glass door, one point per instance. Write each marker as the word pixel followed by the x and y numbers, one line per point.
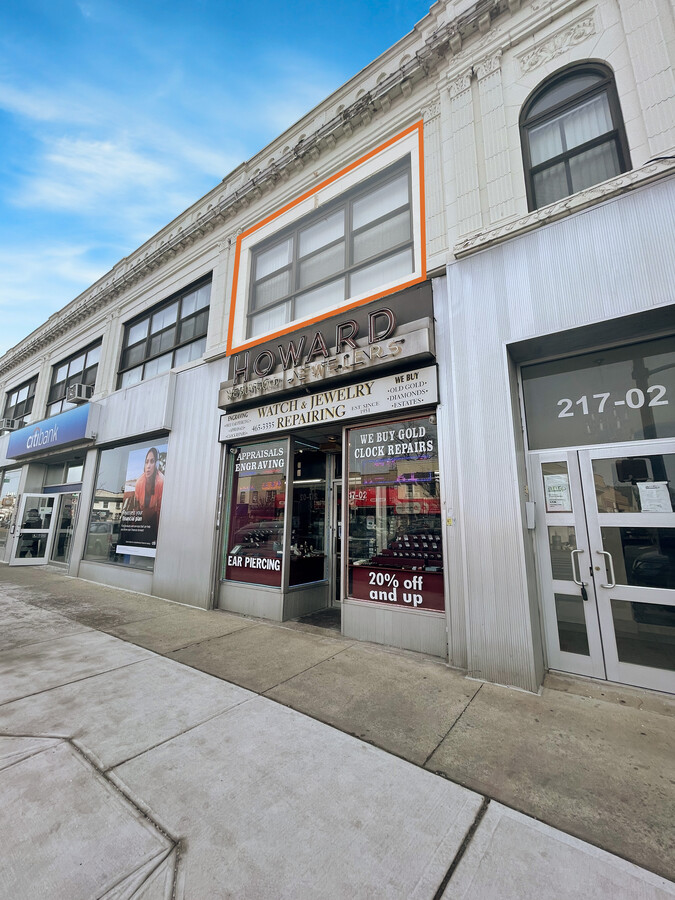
pixel 45 529
pixel 606 546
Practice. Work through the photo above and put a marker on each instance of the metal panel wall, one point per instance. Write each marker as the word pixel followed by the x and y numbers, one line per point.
pixel 187 538
pixel 141 409
pixel 611 260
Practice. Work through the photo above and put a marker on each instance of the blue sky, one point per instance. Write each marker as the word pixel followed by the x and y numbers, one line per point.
pixel 115 116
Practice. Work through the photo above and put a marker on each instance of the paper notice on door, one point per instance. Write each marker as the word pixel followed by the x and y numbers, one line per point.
pixel 655 497
pixel 557 489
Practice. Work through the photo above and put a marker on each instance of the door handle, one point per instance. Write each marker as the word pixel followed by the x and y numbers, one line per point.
pixel 574 577
pixel 611 569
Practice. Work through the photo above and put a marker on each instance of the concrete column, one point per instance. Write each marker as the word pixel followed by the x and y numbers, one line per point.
pixel 465 161
pixel 495 138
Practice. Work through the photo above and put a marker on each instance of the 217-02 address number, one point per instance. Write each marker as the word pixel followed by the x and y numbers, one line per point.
pixel 635 399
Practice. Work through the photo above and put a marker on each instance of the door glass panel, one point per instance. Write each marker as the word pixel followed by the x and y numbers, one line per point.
pixel 9 489
pixel 562 540
pixel 642 557
pixel 32 545
pixel 556 487
pixel 308 526
pixel 571 620
pixel 64 530
pixel 635 484
pixel 37 512
pixel 645 634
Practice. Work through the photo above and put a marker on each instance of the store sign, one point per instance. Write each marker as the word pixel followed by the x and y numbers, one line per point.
pixel 339 347
pixel 399 587
pixel 67 428
pixel 365 398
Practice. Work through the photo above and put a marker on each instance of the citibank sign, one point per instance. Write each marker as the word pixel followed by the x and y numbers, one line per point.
pixel 75 425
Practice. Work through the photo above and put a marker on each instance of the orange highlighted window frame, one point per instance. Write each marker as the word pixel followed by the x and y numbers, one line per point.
pixel 408 142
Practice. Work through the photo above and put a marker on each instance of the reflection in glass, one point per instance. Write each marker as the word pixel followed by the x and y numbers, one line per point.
pixel 571 618
pixel 642 557
pixel 308 535
pixel 9 489
pixel 32 545
pixel 635 484
pixel 37 512
pixel 645 634
pixel 561 541
pixel 64 532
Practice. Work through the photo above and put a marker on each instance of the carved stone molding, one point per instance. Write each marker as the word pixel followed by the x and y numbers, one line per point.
pixel 628 181
pixel 460 84
pixel 488 65
pixel 431 111
pixel 558 43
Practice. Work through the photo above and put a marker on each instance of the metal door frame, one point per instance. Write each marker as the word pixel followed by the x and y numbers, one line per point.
pixel 48 532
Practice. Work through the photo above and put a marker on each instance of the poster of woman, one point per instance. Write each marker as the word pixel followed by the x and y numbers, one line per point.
pixel 143 490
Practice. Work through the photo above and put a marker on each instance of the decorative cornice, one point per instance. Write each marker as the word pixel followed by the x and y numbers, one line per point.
pixel 621 184
pixel 431 111
pixel 558 43
pixel 195 224
pixel 460 84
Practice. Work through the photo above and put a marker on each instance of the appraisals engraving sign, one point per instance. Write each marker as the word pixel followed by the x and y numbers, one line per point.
pixel 418 387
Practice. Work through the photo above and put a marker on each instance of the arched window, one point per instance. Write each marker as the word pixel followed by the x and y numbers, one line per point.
pixel 572 134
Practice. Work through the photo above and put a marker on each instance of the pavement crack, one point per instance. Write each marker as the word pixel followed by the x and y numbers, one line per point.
pixel 452 726
pixel 468 837
pixel 308 669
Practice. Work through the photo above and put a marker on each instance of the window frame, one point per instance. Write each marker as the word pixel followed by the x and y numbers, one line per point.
pixel 71 379
pixel 177 324
pixel 344 202
pixel 31 384
pixel 605 85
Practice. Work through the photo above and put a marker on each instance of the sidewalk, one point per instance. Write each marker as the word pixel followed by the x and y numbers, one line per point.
pixel 127 773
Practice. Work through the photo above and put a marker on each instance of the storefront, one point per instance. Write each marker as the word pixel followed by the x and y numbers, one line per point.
pixel 41 500
pixel 332 484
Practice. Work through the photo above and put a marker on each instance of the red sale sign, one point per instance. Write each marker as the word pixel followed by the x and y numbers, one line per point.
pixel 399 587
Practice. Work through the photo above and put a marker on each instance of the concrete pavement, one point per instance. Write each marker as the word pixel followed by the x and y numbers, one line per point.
pixel 125 771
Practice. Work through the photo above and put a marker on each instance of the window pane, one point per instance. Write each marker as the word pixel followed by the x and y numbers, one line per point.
pixel 195 326
pixel 89 375
pixel 137 332
pixel 164 318
pixel 269 320
pixel 322 265
pixel 273 289
pixel 22 395
pixel 572 634
pixel 308 552
pixel 157 366
pixel 93 356
pixel 381 201
pixel 587 121
pixel 635 484
pixel 60 373
pixel 545 142
pixel 76 365
pixel 380 238
pixel 9 489
pixel 161 342
pixel 381 273
pixel 256 533
pixel 196 300
pixel 550 185
pixel 594 166
pixel 323 232
pixel 642 557
pixel 564 89
pixel 133 376
pixel 189 352
pixel 133 355
pixel 275 258
pixel 54 408
pixel 74 473
pixel 319 299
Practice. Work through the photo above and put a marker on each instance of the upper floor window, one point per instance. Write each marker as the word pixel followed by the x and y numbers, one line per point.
pixel 350 247
pixel 170 334
pixel 572 134
pixel 80 368
pixel 19 402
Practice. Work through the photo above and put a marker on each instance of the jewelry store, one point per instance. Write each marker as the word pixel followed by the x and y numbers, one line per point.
pixel 332 494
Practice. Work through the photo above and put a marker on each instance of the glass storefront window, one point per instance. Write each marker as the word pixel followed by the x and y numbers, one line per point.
pixel 256 535
pixel 9 490
pixel 395 536
pixel 308 535
pixel 127 503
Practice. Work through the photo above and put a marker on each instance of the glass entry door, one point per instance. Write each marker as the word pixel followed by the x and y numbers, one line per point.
pixel 36 530
pixel 336 544
pixel 65 525
pixel 606 540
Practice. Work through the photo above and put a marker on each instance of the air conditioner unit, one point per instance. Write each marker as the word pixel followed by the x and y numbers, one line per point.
pixel 9 424
pixel 79 393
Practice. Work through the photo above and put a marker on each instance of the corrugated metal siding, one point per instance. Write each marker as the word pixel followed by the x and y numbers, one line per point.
pixel 606 262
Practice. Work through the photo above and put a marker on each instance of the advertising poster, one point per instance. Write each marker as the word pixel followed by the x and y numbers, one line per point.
pixel 143 489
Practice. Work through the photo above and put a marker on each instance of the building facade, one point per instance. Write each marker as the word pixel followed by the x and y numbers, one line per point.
pixel 413 364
